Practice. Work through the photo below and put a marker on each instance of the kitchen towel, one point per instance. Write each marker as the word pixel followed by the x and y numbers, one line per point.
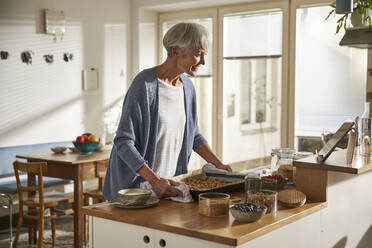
pixel 211 168
pixel 182 187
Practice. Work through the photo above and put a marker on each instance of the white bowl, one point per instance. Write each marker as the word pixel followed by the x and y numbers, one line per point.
pixel 134 195
pixel 58 149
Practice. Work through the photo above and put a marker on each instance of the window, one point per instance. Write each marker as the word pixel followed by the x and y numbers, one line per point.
pixel 330 79
pixel 239 90
pixel 252 54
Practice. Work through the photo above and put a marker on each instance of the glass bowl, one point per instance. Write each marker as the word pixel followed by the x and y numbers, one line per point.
pixel 214 204
pixel 267 198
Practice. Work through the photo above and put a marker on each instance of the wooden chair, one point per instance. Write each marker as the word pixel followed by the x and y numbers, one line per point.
pixel 95 194
pixel 37 201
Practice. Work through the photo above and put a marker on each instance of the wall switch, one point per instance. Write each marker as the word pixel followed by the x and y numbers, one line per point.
pixel 90 79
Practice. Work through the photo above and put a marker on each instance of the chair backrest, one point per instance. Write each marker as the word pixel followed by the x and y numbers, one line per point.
pixel 31 168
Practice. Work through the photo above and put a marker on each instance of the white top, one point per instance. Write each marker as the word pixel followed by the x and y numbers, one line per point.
pixel 171 126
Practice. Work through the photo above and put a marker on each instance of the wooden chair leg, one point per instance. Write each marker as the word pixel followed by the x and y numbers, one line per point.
pixel 53 224
pixel 86 223
pixel 41 230
pixel 20 220
pixel 30 232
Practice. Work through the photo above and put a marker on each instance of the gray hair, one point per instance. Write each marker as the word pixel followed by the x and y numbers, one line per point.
pixel 186 36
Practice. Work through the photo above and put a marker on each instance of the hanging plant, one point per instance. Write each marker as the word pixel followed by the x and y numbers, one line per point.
pixel 362 10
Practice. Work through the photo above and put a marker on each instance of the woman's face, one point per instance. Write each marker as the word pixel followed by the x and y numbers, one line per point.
pixel 190 61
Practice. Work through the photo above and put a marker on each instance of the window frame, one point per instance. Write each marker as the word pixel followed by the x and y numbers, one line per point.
pixel 294 5
pixel 217 13
pixel 261 7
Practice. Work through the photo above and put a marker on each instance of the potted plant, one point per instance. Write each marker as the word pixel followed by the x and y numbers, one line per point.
pixel 361 15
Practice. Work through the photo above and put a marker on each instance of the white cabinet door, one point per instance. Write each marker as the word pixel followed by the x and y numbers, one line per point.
pixel 171 240
pixel 114 234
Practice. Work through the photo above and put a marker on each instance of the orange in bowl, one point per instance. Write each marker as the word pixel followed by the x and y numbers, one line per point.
pixel 93 138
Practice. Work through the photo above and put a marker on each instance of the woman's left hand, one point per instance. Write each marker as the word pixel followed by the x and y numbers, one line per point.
pixel 225 167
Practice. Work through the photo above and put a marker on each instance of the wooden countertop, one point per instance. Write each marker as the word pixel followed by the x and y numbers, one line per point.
pixel 184 219
pixel 69 157
pixel 337 162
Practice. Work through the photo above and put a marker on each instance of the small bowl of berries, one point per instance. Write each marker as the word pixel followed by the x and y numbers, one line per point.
pixel 273 182
pixel 247 212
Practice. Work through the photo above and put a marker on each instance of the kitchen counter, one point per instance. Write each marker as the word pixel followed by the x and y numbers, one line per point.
pixel 337 162
pixel 337 214
pixel 309 170
pixel 184 219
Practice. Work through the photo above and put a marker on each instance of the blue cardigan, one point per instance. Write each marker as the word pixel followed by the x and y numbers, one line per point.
pixel 136 137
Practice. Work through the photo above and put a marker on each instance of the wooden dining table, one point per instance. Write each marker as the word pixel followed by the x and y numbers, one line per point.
pixel 72 166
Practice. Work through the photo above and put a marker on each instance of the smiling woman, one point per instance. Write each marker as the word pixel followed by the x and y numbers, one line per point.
pixel 203 81
pixel 159 123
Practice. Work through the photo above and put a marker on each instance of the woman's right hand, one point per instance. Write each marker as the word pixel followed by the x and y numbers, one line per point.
pixel 166 188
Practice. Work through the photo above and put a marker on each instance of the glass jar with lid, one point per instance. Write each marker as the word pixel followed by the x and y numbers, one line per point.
pixel 283 158
pixel 252 183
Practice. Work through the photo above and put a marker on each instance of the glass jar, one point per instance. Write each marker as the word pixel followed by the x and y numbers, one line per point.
pixel 214 204
pixel 274 159
pixel 267 198
pixel 364 130
pixel 252 182
pixel 284 163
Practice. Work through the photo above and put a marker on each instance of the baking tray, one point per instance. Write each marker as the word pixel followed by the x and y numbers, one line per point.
pixel 236 184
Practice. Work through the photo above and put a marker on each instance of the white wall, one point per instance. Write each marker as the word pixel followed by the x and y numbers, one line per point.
pixel 144 38
pixel 42 103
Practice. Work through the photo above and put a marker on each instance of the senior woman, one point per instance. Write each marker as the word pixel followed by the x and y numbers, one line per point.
pixel 159 125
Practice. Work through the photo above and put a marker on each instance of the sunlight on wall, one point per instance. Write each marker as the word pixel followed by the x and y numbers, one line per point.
pixel 148 48
pixel 115 73
pixel 32 94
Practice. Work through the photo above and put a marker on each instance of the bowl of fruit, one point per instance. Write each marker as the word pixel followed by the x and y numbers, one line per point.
pixel 86 143
pixel 248 212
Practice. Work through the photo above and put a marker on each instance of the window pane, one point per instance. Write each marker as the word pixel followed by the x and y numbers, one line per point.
pixel 253 35
pixel 252 78
pixel 246 86
pixel 203 88
pixel 260 87
pixel 330 79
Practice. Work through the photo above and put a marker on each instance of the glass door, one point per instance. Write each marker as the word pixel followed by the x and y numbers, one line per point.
pixel 330 79
pixel 253 53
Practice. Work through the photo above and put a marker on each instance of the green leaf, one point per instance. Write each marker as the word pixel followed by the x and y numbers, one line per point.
pixel 330 13
pixel 340 20
pixel 338 28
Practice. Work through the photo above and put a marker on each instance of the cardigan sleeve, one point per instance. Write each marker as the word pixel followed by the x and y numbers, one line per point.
pixel 198 138
pixel 133 124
